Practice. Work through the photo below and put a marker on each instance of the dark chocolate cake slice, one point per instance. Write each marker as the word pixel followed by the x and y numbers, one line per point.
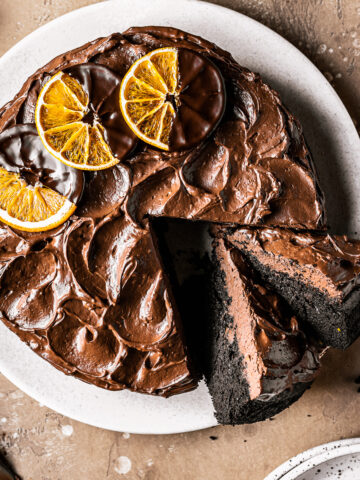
pixel 258 360
pixel 318 274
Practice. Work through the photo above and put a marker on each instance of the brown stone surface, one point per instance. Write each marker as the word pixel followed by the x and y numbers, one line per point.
pixel 44 445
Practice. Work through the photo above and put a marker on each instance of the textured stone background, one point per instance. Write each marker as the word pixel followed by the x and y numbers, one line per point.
pixel 44 445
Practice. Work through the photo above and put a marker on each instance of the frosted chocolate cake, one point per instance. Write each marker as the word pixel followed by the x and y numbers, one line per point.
pixel 154 122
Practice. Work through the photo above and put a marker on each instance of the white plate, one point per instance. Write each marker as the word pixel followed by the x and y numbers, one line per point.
pixel 333 460
pixel 329 131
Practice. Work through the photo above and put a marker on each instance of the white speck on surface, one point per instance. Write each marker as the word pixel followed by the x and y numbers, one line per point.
pixel 331 50
pixel 338 75
pixel 171 448
pixel 126 435
pixel 67 430
pixel 321 48
pixel 356 43
pixel 122 465
pixel 150 462
pixel 3 420
pixel 33 344
pixel 345 59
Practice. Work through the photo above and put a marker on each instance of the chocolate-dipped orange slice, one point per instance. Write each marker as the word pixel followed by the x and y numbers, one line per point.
pixel 79 121
pixel 172 98
pixel 37 193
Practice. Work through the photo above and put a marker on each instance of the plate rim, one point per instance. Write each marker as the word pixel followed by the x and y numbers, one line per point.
pixel 19 46
pixel 315 454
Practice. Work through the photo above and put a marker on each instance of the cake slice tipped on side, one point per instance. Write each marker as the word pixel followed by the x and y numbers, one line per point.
pixel 258 360
pixel 317 274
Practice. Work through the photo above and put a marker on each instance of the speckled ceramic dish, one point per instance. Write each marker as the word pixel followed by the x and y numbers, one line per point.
pixel 329 132
pixel 326 462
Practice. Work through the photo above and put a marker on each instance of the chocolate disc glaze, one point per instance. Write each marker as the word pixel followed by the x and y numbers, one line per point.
pixel 102 87
pixel 22 151
pixel 201 100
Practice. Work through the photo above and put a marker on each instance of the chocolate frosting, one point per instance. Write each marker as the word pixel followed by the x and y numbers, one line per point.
pixel 97 304
pixel 331 262
pixel 22 151
pixel 276 352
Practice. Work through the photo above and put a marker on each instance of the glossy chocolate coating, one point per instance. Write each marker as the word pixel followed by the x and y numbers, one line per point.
pixel 102 88
pixel 98 305
pixel 22 151
pixel 202 100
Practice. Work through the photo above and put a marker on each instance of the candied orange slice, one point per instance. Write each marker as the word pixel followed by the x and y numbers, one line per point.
pixel 145 96
pixel 31 208
pixel 60 110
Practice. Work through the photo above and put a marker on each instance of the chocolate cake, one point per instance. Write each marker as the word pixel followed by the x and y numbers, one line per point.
pixel 318 274
pixel 247 290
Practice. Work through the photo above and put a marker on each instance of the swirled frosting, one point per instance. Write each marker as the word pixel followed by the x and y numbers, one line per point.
pixel 91 297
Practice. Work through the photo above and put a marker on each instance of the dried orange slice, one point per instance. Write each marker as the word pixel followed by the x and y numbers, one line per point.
pixel 59 116
pixel 172 98
pixel 31 208
pixel 36 191
pixel 143 96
